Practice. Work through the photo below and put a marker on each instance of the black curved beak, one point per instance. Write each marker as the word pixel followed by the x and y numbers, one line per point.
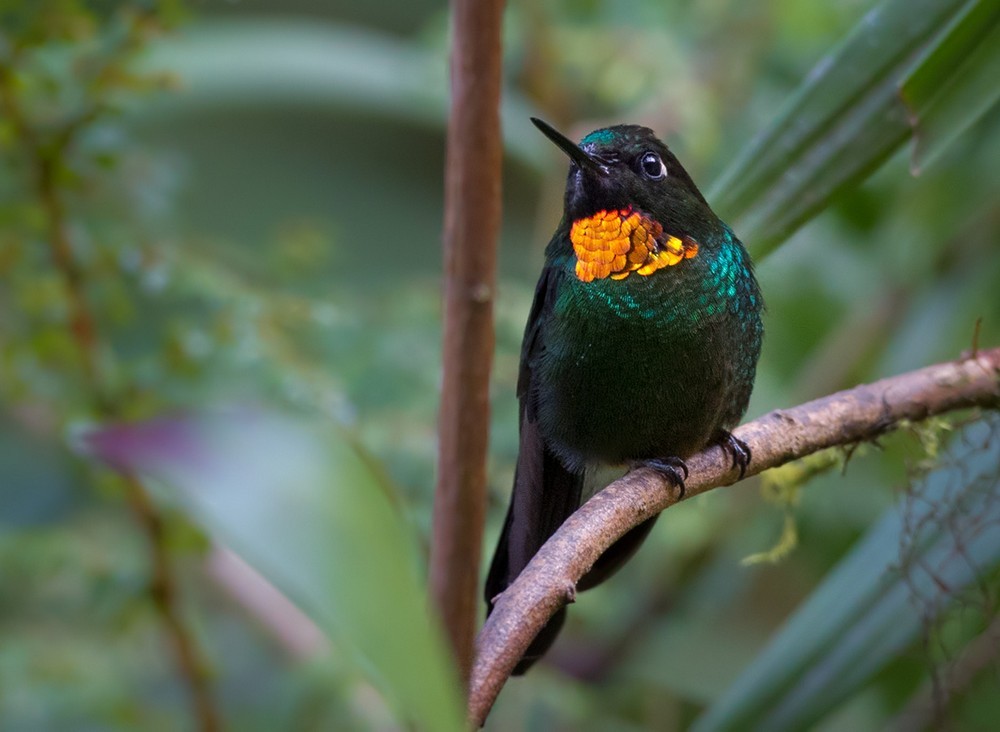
pixel 569 147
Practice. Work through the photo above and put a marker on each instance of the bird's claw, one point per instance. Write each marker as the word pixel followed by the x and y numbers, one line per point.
pixel 673 469
pixel 735 447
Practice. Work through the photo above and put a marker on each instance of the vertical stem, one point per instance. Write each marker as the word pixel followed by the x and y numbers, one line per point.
pixel 82 325
pixel 471 228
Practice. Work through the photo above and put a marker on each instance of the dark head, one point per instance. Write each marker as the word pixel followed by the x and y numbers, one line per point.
pixel 626 165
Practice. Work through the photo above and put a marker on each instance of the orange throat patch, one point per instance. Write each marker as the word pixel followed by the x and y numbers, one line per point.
pixel 617 243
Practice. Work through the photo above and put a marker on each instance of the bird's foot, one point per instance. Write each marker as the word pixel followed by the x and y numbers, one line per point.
pixel 673 469
pixel 735 447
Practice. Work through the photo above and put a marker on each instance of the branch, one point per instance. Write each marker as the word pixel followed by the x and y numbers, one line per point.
pixel 166 600
pixel 850 416
pixel 471 228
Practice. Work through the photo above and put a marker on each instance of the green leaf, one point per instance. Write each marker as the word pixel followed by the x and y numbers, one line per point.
pixel 862 616
pixel 255 62
pixel 299 503
pixel 956 83
pixel 844 121
pixel 220 64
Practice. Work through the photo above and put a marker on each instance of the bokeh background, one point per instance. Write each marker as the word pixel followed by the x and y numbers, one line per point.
pixel 253 193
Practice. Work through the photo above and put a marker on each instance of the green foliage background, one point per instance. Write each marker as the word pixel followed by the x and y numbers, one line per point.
pixel 253 196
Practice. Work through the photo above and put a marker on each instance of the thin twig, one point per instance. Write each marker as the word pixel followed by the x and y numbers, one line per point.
pixel 471 229
pixel 83 328
pixel 923 710
pixel 781 436
pixel 163 591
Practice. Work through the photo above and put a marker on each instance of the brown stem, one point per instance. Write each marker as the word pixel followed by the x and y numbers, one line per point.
pixel 81 321
pixel 471 227
pixel 163 591
pixel 779 437
pixel 83 327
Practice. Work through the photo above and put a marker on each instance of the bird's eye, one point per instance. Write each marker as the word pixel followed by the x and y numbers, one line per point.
pixel 652 167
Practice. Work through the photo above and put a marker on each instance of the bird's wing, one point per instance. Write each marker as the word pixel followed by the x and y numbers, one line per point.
pixel 545 493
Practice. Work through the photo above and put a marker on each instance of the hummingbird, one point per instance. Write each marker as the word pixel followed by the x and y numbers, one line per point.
pixel 640 348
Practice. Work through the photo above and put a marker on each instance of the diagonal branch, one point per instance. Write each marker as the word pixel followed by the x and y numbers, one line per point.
pixel 781 436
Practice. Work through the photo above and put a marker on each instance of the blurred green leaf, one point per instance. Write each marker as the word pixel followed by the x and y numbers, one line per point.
pixel 862 616
pixel 220 64
pixel 298 503
pixel 955 83
pixel 249 61
pixel 845 120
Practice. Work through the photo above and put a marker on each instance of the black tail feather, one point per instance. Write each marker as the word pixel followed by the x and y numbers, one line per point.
pixel 545 494
pixel 616 555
